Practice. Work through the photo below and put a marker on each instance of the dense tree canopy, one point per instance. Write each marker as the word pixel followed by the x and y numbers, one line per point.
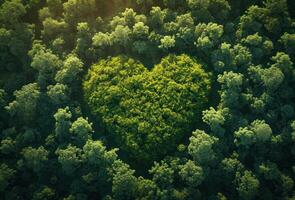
pixel 147 109
pixel 147 99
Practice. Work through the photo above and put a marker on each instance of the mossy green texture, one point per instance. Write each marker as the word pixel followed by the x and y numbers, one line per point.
pixel 149 112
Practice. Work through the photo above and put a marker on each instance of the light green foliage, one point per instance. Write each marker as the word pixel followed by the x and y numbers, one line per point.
pixel 246 137
pixel 124 182
pixel 198 4
pixel 157 16
pixel 97 167
pixel 272 78
pixel 242 56
pixel 192 174
pixel 248 185
pixel 46 63
pixel 11 12
pixel 84 41
pixel 209 10
pixel 257 132
pixel 122 92
pixel 167 42
pixel 201 147
pixel 58 45
pixel 101 40
pixel 162 175
pixel 231 80
pixel 184 30
pixel 125 24
pixel 215 119
pixel 70 73
pixel 231 84
pixel 200 10
pixel 208 36
pixel 62 124
pixel 5 34
pixel 288 40
pixel 44 13
pixel 273 17
pixel 262 130
pixel 35 158
pixel 276 15
pixel 26 103
pixel 184 20
pixel 283 61
pixel 259 103
pixel 220 9
pixel 58 94
pixel 182 26
pixel 116 21
pixel 228 58
pixel 140 30
pixel 82 130
pixel 230 166
pixel 129 16
pixel 146 189
pixel 83 30
pixel 258 45
pixel 55 6
pixel 15 36
pixel 121 35
pixel 53 28
pixel 69 158
pixel 222 58
pixel 95 154
pixel 250 22
pixel 76 11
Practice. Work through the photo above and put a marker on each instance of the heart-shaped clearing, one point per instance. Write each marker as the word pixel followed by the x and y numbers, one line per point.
pixel 147 111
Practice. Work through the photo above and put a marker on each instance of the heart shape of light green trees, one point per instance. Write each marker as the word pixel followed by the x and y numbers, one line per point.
pixel 148 112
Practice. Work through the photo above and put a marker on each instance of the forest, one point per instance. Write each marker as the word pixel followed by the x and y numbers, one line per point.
pixel 147 99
